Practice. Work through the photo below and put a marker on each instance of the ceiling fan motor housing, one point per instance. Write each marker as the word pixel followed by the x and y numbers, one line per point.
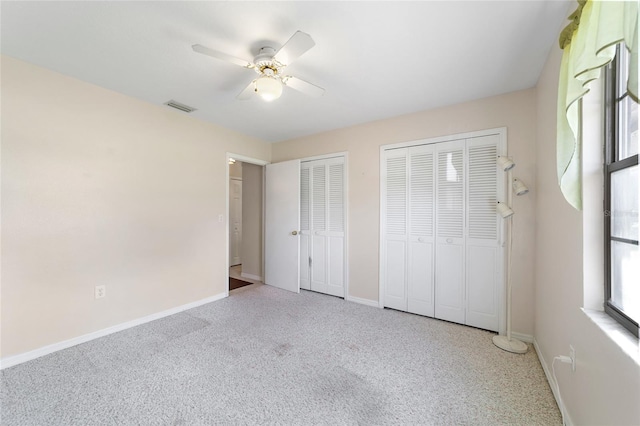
pixel 265 63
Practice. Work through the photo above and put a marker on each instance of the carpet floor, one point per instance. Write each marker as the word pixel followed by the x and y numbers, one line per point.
pixel 266 356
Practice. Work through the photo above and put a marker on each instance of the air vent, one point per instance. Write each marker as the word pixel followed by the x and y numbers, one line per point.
pixel 181 107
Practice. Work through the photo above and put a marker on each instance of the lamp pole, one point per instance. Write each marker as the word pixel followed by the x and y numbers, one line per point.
pixel 506 342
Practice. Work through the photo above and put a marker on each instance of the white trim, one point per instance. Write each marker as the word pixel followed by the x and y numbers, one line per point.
pixel 346 222
pixel 325 156
pixel 45 350
pixel 528 338
pixel 251 276
pixel 552 384
pixel 246 159
pixel 367 302
pixel 468 135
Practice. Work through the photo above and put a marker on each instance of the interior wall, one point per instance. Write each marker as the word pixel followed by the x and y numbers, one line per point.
pixel 101 189
pixel 516 111
pixel 605 387
pixel 252 220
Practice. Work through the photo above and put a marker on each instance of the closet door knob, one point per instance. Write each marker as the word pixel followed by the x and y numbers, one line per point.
pixel 294 232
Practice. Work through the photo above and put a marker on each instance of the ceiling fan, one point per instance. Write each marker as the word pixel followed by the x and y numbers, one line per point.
pixel 270 66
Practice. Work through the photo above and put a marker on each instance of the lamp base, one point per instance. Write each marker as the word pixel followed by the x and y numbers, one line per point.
pixel 513 345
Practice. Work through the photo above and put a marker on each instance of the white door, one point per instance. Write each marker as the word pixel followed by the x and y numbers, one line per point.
pixel 394 229
pixel 318 247
pixel 282 225
pixel 235 221
pixel 336 225
pixel 305 227
pixel 484 279
pixel 450 255
pixel 421 233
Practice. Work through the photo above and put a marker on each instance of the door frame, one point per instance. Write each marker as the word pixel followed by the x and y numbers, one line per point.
pixel 345 155
pixel 244 159
pixel 503 148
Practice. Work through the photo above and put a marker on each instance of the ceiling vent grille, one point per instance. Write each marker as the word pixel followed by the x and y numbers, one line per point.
pixel 181 107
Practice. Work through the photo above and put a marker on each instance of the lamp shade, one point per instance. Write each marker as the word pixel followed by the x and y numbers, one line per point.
pixel 504 210
pixel 519 187
pixel 268 88
pixel 505 163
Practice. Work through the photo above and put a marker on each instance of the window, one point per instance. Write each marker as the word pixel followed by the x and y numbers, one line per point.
pixel 621 197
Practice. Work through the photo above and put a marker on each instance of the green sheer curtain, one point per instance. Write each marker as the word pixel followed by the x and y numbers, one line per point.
pixel 589 43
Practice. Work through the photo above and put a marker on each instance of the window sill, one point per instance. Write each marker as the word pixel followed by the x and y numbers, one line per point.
pixel 622 337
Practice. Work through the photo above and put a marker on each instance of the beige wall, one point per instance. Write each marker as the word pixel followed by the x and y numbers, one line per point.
pixel 102 189
pixel 252 219
pixel 516 111
pixel 605 388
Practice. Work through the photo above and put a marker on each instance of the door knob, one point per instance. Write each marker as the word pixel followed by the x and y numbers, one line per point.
pixel 294 232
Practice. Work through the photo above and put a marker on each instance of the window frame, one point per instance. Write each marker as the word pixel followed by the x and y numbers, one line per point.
pixel 612 165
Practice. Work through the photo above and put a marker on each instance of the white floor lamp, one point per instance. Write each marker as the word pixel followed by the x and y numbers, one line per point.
pixel 508 343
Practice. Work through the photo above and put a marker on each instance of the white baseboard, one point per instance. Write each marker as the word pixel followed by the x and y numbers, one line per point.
pixel 251 277
pixel 362 301
pixel 552 384
pixel 527 338
pixel 45 350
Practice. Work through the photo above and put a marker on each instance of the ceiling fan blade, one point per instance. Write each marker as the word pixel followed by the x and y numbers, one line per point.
pixel 223 56
pixel 248 92
pixel 294 48
pixel 303 86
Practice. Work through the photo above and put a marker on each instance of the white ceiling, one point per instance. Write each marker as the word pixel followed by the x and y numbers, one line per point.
pixel 375 59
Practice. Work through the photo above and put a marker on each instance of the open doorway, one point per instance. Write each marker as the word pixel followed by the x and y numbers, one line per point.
pixel 245 221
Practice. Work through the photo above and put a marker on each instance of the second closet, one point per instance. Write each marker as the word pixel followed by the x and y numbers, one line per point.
pixel 322 226
pixel 441 240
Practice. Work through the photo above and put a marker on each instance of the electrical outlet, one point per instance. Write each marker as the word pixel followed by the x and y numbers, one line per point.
pixel 101 291
pixel 572 355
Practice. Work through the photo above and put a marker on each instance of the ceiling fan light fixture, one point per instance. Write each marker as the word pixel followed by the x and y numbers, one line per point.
pixel 269 88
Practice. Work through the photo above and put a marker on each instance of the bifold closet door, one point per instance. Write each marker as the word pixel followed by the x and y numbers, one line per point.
pixel 305 217
pixel 483 252
pixel 322 226
pixel 394 245
pixel 450 213
pixel 408 235
pixel 421 230
pixel 440 251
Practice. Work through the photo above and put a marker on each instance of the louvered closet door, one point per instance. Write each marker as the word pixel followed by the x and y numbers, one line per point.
pixel 305 218
pixel 450 253
pixel 335 226
pixel 322 222
pixel 318 235
pixel 394 228
pixel 421 230
pixel 482 244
